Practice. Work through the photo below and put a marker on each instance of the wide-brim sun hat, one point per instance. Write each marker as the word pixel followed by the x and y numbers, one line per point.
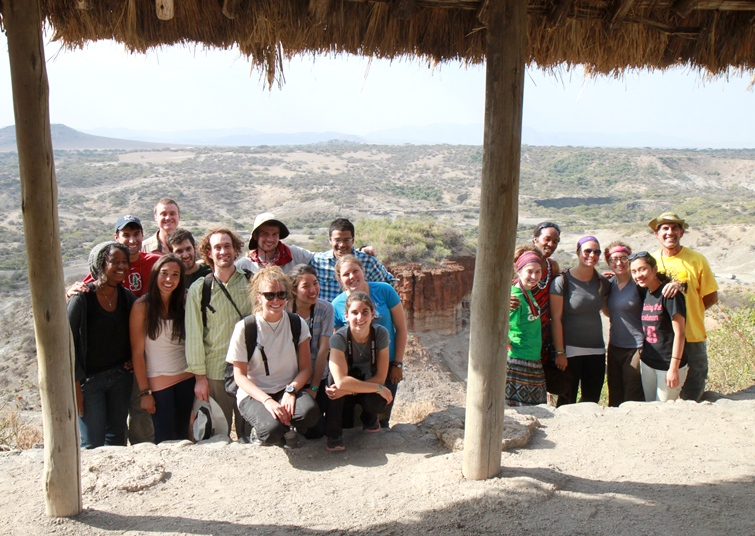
pixel 667 217
pixel 209 420
pixel 263 219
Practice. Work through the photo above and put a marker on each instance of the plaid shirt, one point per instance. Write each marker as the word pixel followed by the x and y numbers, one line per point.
pixel 325 263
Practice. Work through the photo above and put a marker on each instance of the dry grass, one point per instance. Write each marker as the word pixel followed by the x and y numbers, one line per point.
pixel 731 350
pixel 18 432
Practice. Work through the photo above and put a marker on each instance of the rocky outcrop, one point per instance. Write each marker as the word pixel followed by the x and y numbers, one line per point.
pixel 436 299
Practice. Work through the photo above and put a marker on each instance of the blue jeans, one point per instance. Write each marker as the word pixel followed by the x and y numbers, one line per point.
pixel 106 400
pixel 697 359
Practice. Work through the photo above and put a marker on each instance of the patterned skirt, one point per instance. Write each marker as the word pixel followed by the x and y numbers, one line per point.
pixel 525 382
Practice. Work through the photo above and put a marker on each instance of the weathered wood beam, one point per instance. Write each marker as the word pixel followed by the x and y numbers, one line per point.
pixel 506 55
pixel 39 203
pixel 558 14
pixel 231 8
pixel 618 12
pixel 165 9
pixel 482 13
pixel 688 32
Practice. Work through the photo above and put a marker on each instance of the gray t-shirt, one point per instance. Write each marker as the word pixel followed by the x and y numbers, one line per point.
pixel 625 311
pixel 581 317
pixel 362 352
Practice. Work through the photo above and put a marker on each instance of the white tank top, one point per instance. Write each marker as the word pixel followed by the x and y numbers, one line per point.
pixel 164 356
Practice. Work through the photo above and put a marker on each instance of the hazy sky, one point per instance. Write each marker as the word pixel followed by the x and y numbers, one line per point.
pixel 187 89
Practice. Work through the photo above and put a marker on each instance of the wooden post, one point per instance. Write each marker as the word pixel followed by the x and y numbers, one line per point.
pixel 506 54
pixel 39 203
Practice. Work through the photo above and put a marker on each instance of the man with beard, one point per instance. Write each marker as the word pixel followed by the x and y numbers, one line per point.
pixel 699 286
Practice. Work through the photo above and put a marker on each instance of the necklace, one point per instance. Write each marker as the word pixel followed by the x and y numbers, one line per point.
pixel 102 293
pixel 277 325
pixel 544 284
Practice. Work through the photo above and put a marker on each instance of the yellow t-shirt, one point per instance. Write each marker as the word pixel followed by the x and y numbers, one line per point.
pixel 690 269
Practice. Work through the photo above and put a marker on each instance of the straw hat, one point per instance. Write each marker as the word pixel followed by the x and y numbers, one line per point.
pixel 667 217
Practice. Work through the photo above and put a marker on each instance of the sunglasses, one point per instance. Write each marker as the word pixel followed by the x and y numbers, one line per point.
pixel 270 296
pixel 616 260
pixel 639 255
pixel 546 225
pixel 588 251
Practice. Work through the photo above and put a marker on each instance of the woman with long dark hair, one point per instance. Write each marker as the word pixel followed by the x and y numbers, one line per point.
pixel 577 298
pixel 157 344
pixel 318 314
pixel 99 322
pixel 664 357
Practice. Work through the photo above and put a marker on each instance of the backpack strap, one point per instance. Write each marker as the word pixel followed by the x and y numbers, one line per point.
pixel 206 297
pixel 250 336
pixel 373 350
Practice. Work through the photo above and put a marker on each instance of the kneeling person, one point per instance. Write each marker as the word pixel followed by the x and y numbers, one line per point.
pixel 270 383
pixel 359 368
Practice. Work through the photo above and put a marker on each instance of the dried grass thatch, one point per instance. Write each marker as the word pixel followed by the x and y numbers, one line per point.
pixel 606 36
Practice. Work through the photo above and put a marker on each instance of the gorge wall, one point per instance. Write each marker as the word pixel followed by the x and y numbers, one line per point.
pixel 436 299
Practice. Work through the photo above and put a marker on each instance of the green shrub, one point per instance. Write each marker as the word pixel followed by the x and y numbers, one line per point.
pixel 410 240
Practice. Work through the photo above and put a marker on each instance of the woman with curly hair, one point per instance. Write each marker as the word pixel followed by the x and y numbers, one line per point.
pixel 157 348
pixel 270 383
pixel 99 322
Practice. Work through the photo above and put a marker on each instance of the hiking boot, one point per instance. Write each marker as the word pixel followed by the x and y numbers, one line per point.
pixel 291 440
pixel 335 444
pixel 372 428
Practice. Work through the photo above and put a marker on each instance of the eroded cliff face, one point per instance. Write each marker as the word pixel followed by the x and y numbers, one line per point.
pixel 436 299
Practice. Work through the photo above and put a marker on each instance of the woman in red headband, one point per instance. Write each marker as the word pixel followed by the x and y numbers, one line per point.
pixel 623 308
pixel 525 379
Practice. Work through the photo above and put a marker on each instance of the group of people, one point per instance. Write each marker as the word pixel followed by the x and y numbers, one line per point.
pixel 656 305
pixel 282 341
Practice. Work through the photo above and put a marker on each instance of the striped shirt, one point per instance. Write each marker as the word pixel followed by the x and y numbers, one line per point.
pixel 325 265
pixel 206 347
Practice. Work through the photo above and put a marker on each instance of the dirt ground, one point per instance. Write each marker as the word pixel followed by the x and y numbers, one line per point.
pixel 641 469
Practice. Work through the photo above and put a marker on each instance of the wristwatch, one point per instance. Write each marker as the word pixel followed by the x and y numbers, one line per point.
pixel 398 364
pixel 290 389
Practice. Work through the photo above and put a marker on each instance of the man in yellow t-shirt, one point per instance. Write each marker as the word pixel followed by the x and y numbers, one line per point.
pixel 699 285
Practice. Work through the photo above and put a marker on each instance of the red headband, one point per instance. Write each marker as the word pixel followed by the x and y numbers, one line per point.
pixel 525 259
pixel 616 250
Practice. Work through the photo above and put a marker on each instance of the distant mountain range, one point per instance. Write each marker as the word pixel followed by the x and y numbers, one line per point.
pixel 443 133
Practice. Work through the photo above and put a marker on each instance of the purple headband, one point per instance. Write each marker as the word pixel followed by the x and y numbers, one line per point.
pixel 525 259
pixel 587 238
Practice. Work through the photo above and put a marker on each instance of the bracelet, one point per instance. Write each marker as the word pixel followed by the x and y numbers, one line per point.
pixel 677 358
pixel 145 392
pixel 380 389
pixel 560 352
pixel 268 398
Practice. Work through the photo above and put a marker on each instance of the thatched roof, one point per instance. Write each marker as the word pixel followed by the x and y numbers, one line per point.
pixel 606 36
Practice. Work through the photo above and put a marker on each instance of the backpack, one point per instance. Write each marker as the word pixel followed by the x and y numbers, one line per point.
pixel 250 336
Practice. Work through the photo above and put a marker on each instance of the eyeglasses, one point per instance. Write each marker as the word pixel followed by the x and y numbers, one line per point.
pixel 616 260
pixel 639 255
pixel 270 296
pixel 342 241
pixel 588 251
pixel 545 225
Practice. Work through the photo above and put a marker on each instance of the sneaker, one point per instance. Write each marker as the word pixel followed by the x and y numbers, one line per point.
pixel 291 440
pixel 253 439
pixel 372 428
pixel 335 444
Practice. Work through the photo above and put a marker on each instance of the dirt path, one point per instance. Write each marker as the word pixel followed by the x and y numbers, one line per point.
pixel 675 468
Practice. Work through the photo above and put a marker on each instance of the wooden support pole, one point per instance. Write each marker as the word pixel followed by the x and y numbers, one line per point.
pixel 165 9
pixel 39 203
pixel 506 54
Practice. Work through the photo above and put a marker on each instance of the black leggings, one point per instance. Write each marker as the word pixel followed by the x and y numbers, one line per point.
pixel 588 372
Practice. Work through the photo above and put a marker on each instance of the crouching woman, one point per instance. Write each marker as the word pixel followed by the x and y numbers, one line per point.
pixel 270 382
pixel 359 368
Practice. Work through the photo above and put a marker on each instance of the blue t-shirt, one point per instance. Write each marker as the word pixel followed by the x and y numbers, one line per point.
pixel 624 310
pixel 385 298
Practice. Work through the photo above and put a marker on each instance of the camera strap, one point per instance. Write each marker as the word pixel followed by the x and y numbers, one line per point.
pixel 373 350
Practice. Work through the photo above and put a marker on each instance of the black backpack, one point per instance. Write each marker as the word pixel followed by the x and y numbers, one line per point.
pixel 207 295
pixel 250 336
